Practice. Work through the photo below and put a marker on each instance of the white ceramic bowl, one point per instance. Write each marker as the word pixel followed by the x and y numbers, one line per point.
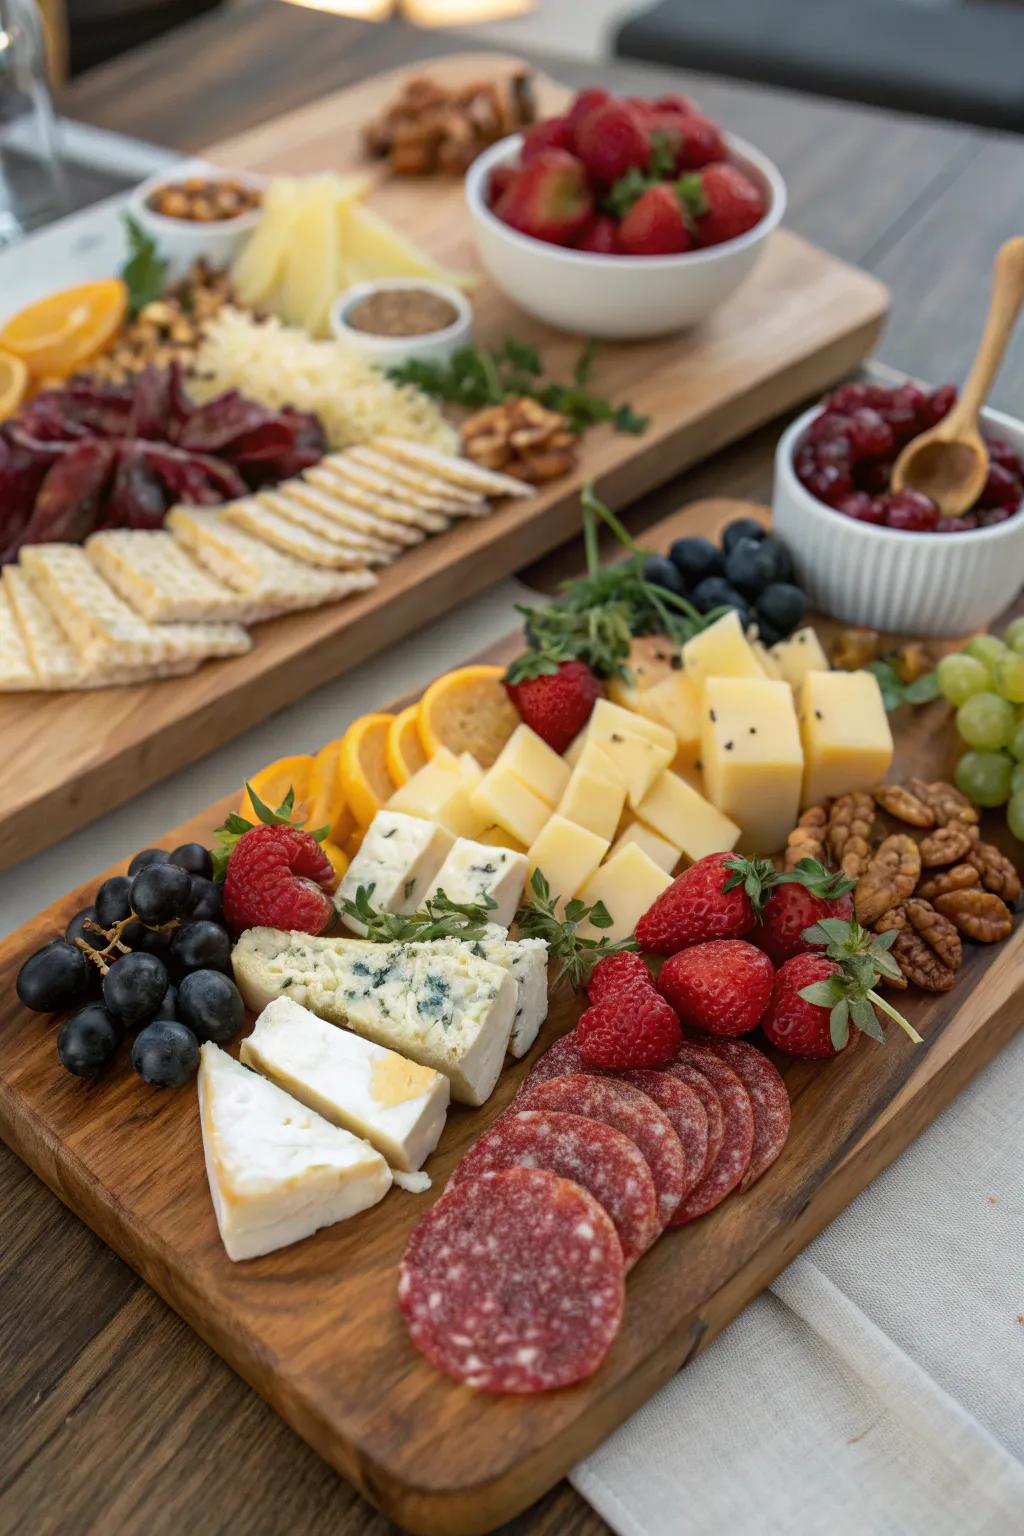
pixel 180 241
pixel 389 351
pixel 909 583
pixel 617 297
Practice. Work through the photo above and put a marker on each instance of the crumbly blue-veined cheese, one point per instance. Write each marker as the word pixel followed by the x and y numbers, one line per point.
pixel 526 960
pixel 472 871
pixel 395 1104
pixel 453 1012
pixel 399 857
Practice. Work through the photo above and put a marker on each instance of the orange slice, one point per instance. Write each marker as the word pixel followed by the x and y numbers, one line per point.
pixel 13 383
pixel 273 783
pixel 405 752
pixel 354 842
pixel 468 710
pixel 327 804
pixel 363 766
pixel 58 334
pixel 339 860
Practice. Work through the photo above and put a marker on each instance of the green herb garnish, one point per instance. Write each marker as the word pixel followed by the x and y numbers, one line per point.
pixel 538 918
pixel 145 272
pixel 438 918
pixel 896 692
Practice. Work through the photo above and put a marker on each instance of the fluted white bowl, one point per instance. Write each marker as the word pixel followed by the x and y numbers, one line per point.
pixel 909 583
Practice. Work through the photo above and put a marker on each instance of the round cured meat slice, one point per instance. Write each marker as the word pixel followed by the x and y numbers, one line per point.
pixel 632 1112
pixel 768 1100
pixel 686 1115
pixel 733 1160
pixel 513 1282
pixel 600 1159
pixel 704 1089
pixel 559 1059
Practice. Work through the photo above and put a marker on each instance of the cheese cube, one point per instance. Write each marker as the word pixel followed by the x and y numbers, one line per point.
pixel 637 760
pixel 526 961
pixel 472 871
pixel 595 761
pixel 592 802
pixel 609 718
pixel 440 791
pixel 529 757
pixel 845 731
pixel 566 854
pixel 665 854
pixel 679 813
pixel 801 653
pixel 675 701
pixel 574 751
pixel 721 650
pixel 769 663
pixel 497 837
pixel 503 799
pixel 395 1104
pixel 752 759
pixel 397 860
pixel 628 884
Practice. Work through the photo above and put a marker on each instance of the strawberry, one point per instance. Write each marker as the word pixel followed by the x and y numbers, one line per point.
pixel 557 702
pixel 611 140
pixel 615 972
pixel 682 106
pixel 722 203
pixel 723 987
pixel 793 1022
pixel 549 133
pixel 633 1028
pixel 684 143
pixel 549 198
pixel 501 177
pixel 655 225
pixel 803 896
pixel 278 877
pixel 719 897
pixel 602 236
pixel 583 103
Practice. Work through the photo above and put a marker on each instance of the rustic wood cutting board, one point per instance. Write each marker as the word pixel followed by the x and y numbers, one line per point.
pixel 316 1329
pixel 801 321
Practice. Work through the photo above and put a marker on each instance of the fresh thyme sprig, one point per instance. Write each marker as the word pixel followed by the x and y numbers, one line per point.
pixel 538 918
pixel 438 918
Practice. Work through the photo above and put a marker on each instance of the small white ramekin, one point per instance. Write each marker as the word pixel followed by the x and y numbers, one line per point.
pixel 181 241
pixel 907 583
pixel 389 351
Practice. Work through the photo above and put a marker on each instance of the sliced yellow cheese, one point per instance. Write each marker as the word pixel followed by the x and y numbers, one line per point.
pixel 503 800
pixel 628 884
pixel 608 718
pixel 721 650
pixel 593 802
pixel 677 812
pixel 675 701
pixel 665 854
pixel 801 653
pixel 845 731
pixel 440 791
pixel 752 759
pixel 566 855
pixel 769 665
pixel 535 764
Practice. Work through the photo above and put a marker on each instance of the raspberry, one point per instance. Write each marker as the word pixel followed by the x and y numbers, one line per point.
pixel 911 511
pixel 615 973
pixel 278 877
pixel 635 1028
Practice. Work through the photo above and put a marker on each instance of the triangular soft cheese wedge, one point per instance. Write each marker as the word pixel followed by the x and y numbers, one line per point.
pixel 278 1172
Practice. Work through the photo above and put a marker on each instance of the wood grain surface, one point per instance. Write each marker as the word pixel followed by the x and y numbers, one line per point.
pixel 315 1329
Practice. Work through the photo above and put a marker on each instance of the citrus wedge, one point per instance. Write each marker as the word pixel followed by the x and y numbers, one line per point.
pixel 58 334
pixel 354 842
pixel 13 383
pixel 405 752
pixel 363 767
pixel 274 781
pixel 468 710
pixel 339 860
pixel 327 804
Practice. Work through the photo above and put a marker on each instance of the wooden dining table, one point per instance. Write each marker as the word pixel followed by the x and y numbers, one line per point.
pixel 114 1416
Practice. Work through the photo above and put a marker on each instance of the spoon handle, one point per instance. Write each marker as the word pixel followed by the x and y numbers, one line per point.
pixel 1004 306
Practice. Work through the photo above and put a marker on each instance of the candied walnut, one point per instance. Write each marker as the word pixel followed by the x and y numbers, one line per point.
pixel 946 845
pixel 852 649
pixel 921 967
pixel 521 438
pixel 979 915
pixel 430 127
pixel 927 949
pixel 960 878
pixel 895 917
pixel 905 805
pixel 911 661
pixel 995 871
pixel 937 931
pixel 946 801
pixel 891 876
pixel 850 825
pixel 807 839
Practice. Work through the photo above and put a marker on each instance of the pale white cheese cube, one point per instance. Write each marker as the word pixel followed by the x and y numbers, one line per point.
pixel 399 857
pixel 475 870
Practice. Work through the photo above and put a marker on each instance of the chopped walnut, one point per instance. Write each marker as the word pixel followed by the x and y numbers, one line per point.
pixel 979 915
pixel 905 805
pixel 852 649
pixel 962 877
pixel 911 661
pixel 807 839
pixel 850 825
pixel 431 127
pixel 890 877
pixel 995 871
pixel 946 845
pixel 168 329
pixel 521 438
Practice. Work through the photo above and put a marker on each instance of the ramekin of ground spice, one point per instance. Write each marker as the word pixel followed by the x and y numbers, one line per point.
pixel 394 319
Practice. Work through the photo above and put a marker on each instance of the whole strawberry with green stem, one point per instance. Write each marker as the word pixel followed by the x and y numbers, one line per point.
pixel 800 897
pixel 722 202
pixel 722 896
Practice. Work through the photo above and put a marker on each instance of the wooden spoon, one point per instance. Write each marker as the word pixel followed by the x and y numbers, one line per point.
pixel 949 462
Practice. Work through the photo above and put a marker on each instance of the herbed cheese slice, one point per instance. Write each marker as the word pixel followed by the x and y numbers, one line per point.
pixel 397 860
pixel 395 1104
pixel 448 466
pixel 450 1012
pixel 369 551
pixel 252 567
pixel 16 670
pixel 472 871
pixel 278 1172
pixel 330 477
pixel 290 537
pixel 163 583
pixel 424 490
pixel 352 519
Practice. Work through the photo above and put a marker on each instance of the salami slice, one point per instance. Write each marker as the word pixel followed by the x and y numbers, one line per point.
pixel 704 1089
pixel 687 1117
pixel 602 1160
pixel 734 1158
pixel 768 1100
pixel 559 1059
pixel 632 1112
pixel 513 1282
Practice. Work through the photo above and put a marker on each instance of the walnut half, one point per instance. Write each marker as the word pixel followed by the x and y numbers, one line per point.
pixel 520 437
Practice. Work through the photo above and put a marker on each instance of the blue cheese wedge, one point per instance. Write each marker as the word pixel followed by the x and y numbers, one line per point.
pixel 450 1012
pixel 397 861
pixel 526 960
pixel 277 1171
pixel 473 871
pixel 395 1104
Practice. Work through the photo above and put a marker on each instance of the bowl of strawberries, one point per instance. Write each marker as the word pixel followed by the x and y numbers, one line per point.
pixel 571 213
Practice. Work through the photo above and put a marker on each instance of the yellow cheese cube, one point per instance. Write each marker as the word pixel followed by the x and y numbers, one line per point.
pixel 628 884
pixel 500 798
pixel 675 701
pixel 592 802
pixel 845 731
pixel 595 761
pixel 497 837
pixel 535 764
pixel 574 751
pixel 721 650
pixel 566 855
pixel 608 719
pixel 769 666
pixel 801 653
pixel 440 792
pixel 752 759
pixel 679 813
pixel 665 854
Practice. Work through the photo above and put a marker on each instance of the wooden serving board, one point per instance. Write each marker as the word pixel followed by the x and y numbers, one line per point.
pixel 316 1329
pixel 800 322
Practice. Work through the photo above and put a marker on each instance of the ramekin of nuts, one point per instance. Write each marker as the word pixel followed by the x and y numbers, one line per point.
pixel 196 211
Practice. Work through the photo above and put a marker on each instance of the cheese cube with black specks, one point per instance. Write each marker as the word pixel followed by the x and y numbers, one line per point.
pixel 845 731
pixel 721 650
pixel 752 759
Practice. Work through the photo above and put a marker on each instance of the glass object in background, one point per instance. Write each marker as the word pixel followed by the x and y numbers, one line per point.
pixel 33 189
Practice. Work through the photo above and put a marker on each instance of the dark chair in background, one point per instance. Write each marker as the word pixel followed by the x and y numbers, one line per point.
pixel 100 29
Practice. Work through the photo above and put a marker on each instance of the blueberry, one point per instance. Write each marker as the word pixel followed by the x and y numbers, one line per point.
pixel 77 929
pixel 161 892
pixel 767 633
pixel 165 1054
pixel 211 1005
pixel 781 607
pixel 134 988
pixel 146 857
pixel 782 563
pixel 742 528
pixel 113 901
pixel 88 1041
pixel 716 592
pixel 199 946
pixel 748 568
pixel 696 558
pixel 206 900
pixel 662 573
pixel 56 976
pixel 193 857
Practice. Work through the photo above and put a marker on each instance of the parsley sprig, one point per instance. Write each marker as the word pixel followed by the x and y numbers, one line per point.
pixel 895 691
pixel 538 918
pixel 145 271
pixel 236 825
pixel 438 918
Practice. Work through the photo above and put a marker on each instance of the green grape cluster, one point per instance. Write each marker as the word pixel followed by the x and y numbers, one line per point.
pixel 985 684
